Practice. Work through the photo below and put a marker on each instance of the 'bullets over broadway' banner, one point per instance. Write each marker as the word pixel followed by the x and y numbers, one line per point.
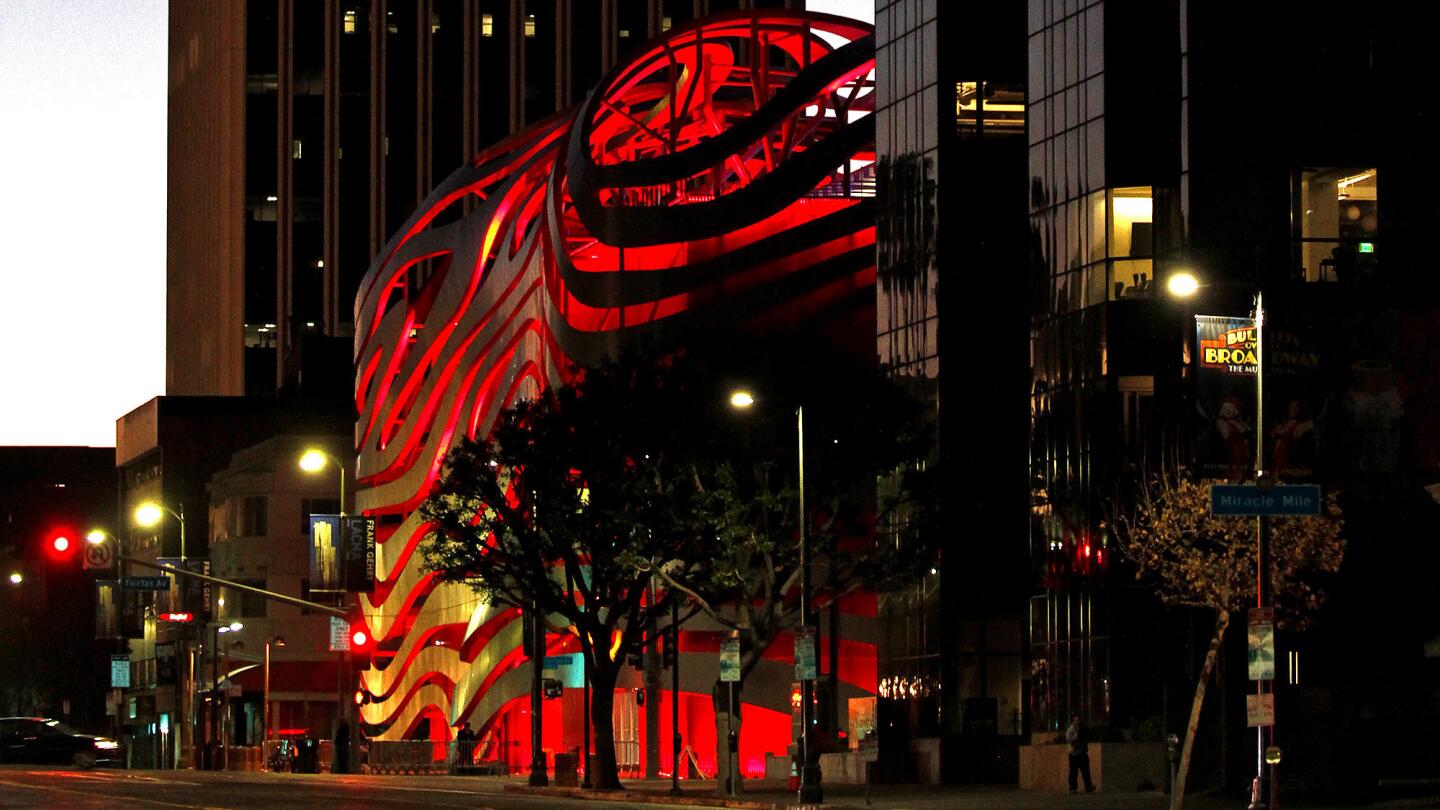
pixel 1226 364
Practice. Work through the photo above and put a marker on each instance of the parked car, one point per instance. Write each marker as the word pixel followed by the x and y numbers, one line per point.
pixel 43 740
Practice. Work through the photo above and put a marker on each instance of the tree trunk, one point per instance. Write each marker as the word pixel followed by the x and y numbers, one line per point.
pixel 720 695
pixel 602 724
pixel 1177 792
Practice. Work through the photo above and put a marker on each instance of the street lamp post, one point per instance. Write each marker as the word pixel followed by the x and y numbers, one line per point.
pixel 810 790
pixel 312 461
pixel 276 641
pixel 1184 285
pixel 217 727
pixel 150 513
pixel 674 642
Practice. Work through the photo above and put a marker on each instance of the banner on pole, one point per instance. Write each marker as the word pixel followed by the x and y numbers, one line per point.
pixel 1226 363
pixel 359 537
pixel 1260 636
pixel 325 553
pixel 805 668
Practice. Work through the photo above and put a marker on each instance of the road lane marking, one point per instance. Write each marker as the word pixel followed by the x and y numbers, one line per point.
pixel 90 794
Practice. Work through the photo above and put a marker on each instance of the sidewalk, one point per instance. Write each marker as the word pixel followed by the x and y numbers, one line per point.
pixel 772 795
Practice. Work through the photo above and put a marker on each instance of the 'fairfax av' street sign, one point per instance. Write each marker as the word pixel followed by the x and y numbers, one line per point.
pixel 1248 499
pixel 158 583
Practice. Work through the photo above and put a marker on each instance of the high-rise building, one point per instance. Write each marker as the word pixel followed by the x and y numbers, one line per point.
pixel 303 134
pixel 950 125
pixel 1278 149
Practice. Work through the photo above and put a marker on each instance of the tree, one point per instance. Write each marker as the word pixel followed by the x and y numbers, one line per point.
pixel 1194 559
pixel 861 426
pixel 639 470
pixel 556 505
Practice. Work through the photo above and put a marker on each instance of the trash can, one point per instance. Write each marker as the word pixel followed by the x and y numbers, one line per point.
pixel 567 767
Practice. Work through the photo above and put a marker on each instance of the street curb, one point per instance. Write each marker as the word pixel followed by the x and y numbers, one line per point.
pixel 645 797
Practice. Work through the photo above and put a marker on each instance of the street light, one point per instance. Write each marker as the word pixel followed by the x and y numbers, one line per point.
pixel 217 725
pixel 1183 285
pixel 277 641
pixel 149 514
pixel 810 792
pixel 313 460
pixel 16 577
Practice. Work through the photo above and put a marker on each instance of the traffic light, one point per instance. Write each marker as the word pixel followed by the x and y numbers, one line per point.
pixel 362 646
pixel 61 542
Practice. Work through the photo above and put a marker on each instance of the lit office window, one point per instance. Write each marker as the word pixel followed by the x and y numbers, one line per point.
pixel 624 33
pixel 1339 217
pixel 487 25
pixel 665 23
pixel 349 24
pixel 529 25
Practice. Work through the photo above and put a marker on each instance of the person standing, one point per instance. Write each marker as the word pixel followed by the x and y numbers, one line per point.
pixel 1079 753
pixel 466 747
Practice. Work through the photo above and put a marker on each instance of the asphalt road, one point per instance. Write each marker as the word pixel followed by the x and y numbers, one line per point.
pixel 22 786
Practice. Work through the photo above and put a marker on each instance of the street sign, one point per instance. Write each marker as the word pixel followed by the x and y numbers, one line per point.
pixel 339 634
pixel 178 618
pixel 1260 638
pixel 805 669
pixel 160 583
pixel 730 661
pixel 98 555
pixel 1250 500
pixel 1260 710
pixel 120 671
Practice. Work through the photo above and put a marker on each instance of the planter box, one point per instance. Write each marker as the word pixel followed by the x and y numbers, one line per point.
pixel 1118 766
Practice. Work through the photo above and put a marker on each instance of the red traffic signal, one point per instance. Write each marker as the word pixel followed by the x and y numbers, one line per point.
pixel 362 645
pixel 60 542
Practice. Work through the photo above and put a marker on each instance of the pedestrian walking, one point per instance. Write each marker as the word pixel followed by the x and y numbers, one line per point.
pixel 1079 753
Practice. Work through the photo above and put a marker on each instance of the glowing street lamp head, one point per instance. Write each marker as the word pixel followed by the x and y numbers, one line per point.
pixel 148 514
pixel 313 460
pixel 741 399
pixel 16 577
pixel 1182 284
pixel 95 537
pixel 236 627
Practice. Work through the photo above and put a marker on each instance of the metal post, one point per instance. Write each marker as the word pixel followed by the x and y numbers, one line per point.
pixel 732 751
pixel 585 720
pixel 810 792
pixel 537 662
pixel 1262 538
pixel 214 694
pixel 674 642
pixel 265 705
pixel 225 717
